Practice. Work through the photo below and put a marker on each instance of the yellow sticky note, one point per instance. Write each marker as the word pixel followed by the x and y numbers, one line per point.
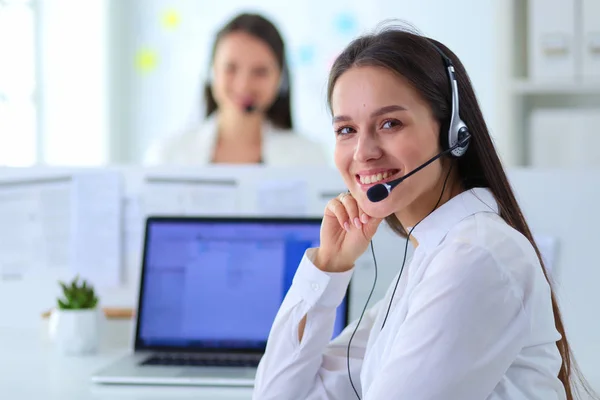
pixel 170 19
pixel 146 60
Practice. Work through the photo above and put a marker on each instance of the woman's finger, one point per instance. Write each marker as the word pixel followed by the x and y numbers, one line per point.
pixel 336 207
pixel 352 210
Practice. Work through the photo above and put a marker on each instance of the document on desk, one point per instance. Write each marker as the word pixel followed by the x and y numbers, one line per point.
pixel 70 221
pixel 133 229
pixel 283 197
pixel 36 224
pixel 96 243
pixel 190 196
pixel 18 231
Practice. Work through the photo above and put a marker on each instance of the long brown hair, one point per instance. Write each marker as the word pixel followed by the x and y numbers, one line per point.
pixel 280 113
pixel 414 57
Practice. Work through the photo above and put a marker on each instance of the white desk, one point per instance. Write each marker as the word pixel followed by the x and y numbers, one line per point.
pixel 30 368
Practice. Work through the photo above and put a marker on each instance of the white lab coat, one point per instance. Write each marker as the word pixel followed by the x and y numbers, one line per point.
pixel 471 319
pixel 282 148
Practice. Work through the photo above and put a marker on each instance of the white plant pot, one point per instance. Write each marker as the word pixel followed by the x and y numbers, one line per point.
pixel 76 332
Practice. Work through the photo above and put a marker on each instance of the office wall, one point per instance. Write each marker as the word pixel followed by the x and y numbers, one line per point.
pixel 73 93
pixel 120 74
pixel 162 50
pixel 563 203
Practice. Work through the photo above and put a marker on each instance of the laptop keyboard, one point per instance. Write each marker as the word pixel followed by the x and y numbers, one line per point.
pixel 203 360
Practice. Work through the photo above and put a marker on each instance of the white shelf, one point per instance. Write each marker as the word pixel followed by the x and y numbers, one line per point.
pixel 528 87
pixel 523 94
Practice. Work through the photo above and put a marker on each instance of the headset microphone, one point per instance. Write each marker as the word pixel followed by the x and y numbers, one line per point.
pixel 381 191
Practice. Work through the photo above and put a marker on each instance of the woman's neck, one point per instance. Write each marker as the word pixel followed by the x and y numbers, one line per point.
pixel 424 205
pixel 239 128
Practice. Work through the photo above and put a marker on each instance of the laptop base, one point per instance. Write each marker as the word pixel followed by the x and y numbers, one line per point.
pixel 129 371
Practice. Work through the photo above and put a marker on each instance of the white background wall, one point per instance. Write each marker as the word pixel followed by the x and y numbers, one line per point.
pixel 74 81
pixel 98 107
pixel 166 99
pixel 93 105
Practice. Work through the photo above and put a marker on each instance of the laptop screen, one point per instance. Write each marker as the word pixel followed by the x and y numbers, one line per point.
pixel 217 283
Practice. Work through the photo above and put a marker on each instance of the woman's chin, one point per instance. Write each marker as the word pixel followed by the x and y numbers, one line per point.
pixel 380 209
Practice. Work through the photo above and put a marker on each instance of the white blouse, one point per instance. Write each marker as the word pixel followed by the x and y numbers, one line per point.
pixel 281 148
pixel 471 320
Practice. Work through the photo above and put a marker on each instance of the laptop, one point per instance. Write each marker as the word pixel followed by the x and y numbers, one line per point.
pixel 209 292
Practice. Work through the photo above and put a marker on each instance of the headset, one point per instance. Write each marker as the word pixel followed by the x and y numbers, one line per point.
pixel 454 144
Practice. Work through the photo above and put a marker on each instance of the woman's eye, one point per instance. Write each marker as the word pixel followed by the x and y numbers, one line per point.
pixel 391 124
pixel 261 72
pixel 344 130
pixel 230 68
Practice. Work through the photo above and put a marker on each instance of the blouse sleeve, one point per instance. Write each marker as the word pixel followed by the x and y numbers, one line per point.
pixel 315 367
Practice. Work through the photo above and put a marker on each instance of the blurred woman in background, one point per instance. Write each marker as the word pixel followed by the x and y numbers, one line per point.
pixel 248 115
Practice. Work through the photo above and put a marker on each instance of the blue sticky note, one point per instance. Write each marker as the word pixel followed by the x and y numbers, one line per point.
pixel 303 55
pixel 306 54
pixel 346 24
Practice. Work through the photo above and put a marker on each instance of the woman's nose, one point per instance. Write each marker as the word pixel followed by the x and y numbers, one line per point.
pixel 243 82
pixel 367 148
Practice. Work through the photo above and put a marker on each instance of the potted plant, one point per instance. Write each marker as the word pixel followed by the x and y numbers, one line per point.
pixel 75 323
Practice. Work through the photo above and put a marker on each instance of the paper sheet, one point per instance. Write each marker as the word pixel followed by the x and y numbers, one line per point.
pixel 133 229
pixel 69 222
pixel 96 223
pixel 55 206
pixel 185 196
pixel 283 197
pixel 548 248
pixel 17 230
pixel 35 228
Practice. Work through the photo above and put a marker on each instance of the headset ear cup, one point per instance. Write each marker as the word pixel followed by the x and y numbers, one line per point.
pixel 445 141
pixel 464 137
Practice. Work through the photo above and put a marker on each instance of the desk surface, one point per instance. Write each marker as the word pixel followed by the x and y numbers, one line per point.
pixel 31 368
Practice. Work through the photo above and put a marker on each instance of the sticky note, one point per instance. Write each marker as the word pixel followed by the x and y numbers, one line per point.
pixel 305 55
pixel 345 24
pixel 170 19
pixel 146 60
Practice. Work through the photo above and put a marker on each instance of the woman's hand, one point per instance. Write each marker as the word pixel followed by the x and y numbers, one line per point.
pixel 345 234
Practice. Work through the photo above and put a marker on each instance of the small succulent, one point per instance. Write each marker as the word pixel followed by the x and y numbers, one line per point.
pixel 77 296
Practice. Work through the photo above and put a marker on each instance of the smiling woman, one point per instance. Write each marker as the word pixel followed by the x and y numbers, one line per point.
pixel 249 119
pixel 391 129
pixel 473 316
